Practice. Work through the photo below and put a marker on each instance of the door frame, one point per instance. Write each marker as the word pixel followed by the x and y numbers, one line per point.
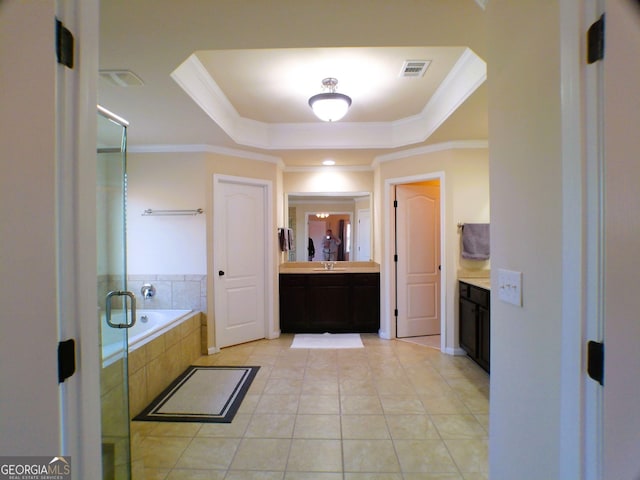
pixel 387 321
pixel 268 247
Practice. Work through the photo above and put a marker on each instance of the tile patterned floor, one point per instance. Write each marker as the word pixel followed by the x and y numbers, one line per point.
pixel 390 411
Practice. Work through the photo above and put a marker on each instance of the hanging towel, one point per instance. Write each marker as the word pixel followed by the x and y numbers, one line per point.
pixel 285 239
pixel 291 245
pixel 475 241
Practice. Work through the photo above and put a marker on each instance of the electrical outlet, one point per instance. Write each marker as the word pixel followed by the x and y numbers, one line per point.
pixel 510 287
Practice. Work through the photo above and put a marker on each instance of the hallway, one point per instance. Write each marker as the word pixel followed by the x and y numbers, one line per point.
pixel 392 410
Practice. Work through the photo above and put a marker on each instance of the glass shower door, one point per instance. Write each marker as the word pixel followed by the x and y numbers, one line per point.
pixel 115 308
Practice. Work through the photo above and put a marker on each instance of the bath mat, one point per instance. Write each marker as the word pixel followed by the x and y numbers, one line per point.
pixel 202 394
pixel 327 340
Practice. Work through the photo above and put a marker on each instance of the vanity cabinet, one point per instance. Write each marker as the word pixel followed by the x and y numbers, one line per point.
pixel 329 302
pixel 474 323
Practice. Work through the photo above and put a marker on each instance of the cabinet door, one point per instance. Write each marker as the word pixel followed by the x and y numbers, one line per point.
pixel 468 325
pixel 293 303
pixel 484 331
pixel 328 307
pixel 365 302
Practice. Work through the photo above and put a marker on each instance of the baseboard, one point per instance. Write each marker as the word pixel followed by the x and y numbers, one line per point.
pixel 213 350
pixel 454 351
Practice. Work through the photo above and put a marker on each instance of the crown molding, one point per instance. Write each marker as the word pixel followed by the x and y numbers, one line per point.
pixel 329 168
pixel 436 147
pixel 469 72
pixel 203 148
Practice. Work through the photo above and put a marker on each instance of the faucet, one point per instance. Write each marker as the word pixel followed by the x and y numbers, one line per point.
pixel 147 291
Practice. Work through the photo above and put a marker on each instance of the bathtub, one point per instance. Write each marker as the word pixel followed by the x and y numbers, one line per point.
pixel 149 325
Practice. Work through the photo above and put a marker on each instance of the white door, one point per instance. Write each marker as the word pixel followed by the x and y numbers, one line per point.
pixel 418 265
pixel 621 419
pixel 363 235
pixel 240 260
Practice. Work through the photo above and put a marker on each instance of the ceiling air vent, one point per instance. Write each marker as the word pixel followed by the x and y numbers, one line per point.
pixel 414 68
pixel 121 78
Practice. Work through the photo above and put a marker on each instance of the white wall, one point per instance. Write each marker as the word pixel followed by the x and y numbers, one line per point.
pixel 465 190
pixel 526 236
pixel 166 245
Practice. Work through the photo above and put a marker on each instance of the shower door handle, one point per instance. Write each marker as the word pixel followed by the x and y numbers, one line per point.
pixel 121 293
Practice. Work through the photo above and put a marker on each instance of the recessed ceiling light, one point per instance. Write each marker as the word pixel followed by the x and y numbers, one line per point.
pixel 328 162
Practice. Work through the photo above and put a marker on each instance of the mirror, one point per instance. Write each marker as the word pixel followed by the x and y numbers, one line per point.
pixel 347 215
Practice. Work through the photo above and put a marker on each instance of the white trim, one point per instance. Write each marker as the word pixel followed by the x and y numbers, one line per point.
pixel 436 147
pixel 205 148
pixel 387 326
pixel 469 72
pixel 571 401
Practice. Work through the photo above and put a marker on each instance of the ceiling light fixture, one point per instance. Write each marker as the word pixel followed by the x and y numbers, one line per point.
pixel 330 106
pixel 322 215
pixel 328 162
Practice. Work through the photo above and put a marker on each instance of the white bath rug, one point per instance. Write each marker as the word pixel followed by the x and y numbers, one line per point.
pixel 327 340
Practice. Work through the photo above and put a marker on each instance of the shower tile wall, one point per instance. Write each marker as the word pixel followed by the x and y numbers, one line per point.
pixel 172 291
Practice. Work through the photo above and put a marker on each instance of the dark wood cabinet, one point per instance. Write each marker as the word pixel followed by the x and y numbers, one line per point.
pixel 474 323
pixel 329 302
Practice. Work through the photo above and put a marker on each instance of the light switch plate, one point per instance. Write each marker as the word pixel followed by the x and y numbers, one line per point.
pixel 510 287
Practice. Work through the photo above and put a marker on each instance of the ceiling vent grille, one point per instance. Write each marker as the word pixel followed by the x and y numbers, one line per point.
pixel 121 78
pixel 414 68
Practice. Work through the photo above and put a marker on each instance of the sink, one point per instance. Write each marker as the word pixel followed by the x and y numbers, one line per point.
pixel 329 270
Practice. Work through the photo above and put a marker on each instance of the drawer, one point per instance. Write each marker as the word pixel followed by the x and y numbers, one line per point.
pixel 292 279
pixel 328 280
pixel 479 295
pixel 464 289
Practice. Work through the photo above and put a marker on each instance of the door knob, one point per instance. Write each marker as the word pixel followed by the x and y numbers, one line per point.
pixel 220 273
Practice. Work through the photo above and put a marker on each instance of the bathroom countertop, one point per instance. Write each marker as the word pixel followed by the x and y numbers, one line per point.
pixel 339 267
pixel 482 282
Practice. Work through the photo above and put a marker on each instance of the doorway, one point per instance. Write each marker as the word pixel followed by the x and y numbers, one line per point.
pixel 396 293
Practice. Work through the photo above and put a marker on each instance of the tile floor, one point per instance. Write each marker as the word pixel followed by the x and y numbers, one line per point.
pixel 393 410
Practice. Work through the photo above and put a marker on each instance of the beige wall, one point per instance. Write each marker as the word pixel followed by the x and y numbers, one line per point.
pixel 465 195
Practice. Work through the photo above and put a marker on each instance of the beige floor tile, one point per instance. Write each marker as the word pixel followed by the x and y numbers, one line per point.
pixel 208 453
pixel 270 426
pixel 261 454
pixel 372 476
pixel 317 426
pixel 471 455
pixel 327 404
pixel 360 404
pixel 175 429
pixel 444 404
pixel 189 474
pixel 282 404
pixel 315 456
pixel 312 476
pixel 475 476
pixel 429 456
pixel 163 452
pixel 249 475
pixel 364 427
pixel 411 427
pixel 483 419
pixel 283 386
pixel 235 429
pixel 458 426
pixel 370 456
pixel 394 386
pixel 155 474
pixel 357 386
pixel 320 386
pixel 401 404
pixel 432 476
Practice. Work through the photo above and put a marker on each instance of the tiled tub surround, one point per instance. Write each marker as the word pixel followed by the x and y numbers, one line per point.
pixel 154 365
pixel 172 291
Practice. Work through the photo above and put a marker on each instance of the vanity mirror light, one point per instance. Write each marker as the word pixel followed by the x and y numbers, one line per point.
pixel 347 215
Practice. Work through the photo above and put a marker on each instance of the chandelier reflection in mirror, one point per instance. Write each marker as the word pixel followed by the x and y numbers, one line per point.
pixel 330 106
